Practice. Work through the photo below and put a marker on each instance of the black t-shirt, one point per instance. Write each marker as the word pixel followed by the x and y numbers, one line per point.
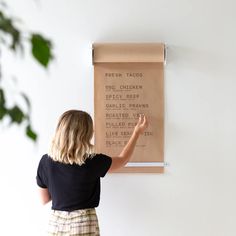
pixel 73 187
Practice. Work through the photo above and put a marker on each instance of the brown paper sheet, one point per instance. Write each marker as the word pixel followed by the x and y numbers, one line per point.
pixel 128 52
pixel 129 80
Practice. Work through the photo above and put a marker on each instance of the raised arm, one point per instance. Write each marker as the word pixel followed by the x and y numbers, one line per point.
pixel 126 153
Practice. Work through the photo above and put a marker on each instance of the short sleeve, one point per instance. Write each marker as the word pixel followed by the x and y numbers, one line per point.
pixel 102 164
pixel 41 178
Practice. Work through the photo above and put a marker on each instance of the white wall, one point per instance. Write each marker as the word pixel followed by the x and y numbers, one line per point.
pixel 196 196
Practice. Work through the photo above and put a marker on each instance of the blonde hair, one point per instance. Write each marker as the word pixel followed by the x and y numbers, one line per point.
pixel 71 142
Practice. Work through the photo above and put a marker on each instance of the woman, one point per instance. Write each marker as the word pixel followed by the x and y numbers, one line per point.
pixel 70 174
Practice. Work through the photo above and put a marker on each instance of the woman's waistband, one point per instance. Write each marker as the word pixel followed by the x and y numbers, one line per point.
pixel 75 213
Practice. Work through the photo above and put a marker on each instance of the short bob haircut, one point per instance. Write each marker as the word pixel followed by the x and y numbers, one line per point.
pixel 71 143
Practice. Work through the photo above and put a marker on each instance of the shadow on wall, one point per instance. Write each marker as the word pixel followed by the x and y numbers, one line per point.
pixel 138 199
pixel 212 63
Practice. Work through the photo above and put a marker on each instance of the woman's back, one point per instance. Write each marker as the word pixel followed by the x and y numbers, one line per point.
pixel 73 187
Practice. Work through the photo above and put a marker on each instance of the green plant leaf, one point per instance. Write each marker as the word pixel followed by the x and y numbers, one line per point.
pixel 3 111
pixel 6 25
pixel 41 49
pixel 2 97
pixel 16 114
pixel 30 133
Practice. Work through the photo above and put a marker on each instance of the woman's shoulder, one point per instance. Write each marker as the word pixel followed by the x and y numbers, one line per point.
pixel 99 158
pixel 100 163
pixel 45 159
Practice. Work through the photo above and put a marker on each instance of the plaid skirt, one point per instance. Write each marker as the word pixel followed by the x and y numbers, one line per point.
pixel 76 223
